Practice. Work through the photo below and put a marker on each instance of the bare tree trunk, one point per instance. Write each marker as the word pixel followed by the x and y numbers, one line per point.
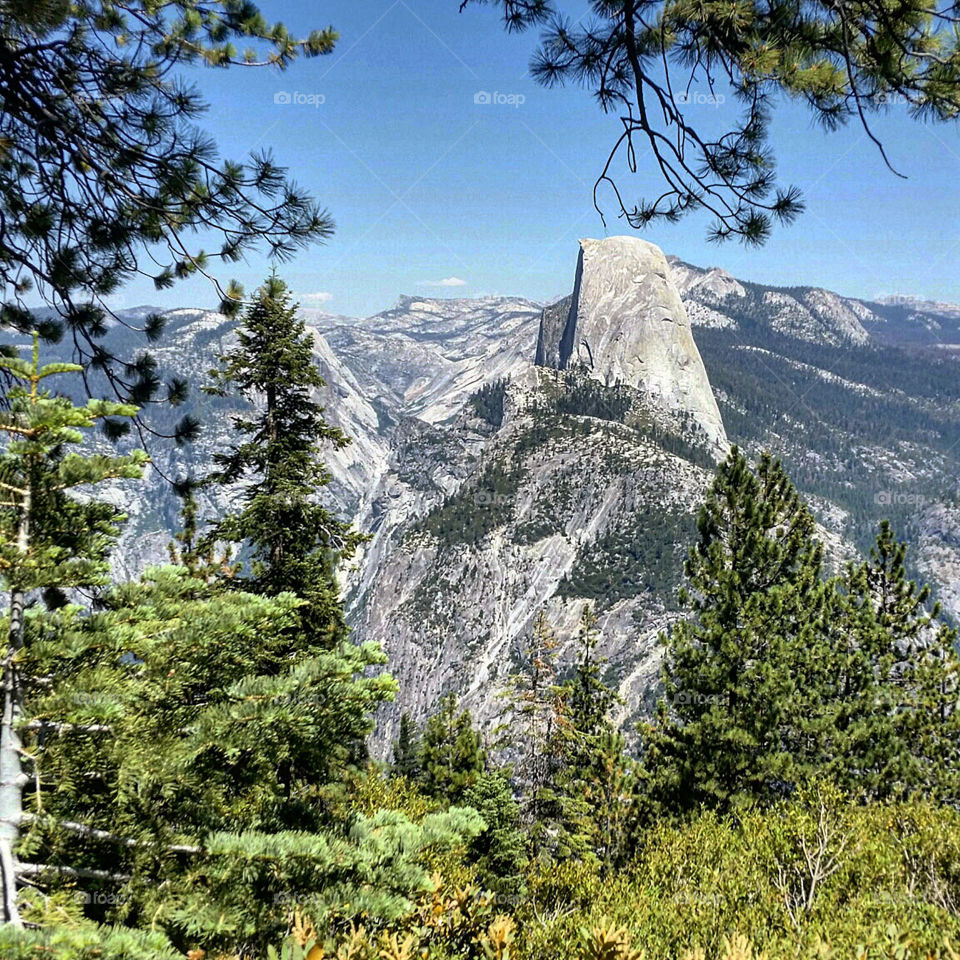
pixel 12 777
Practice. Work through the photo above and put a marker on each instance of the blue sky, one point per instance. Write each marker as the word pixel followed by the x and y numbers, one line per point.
pixel 435 195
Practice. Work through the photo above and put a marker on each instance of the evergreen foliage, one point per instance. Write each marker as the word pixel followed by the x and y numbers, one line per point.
pixel 831 451
pixel 595 783
pixel 407 749
pixel 452 754
pixel 737 698
pixel 783 675
pixel 535 731
pixel 51 541
pixel 488 402
pixel 200 785
pixel 575 397
pixel 574 777
pixel 86 941
pixel 641 554
pixel 897 723
pixel 815 878
pixel 194 737
pixel 189 743
pixel 294 541
pixel 646 64
pixel 477 509
pixel 500 849
pixel 583 396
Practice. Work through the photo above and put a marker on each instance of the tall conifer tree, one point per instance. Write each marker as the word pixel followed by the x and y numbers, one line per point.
pixel 452 756
pixel 50 542
pixel 596 782
pixel 897 723
pixel 294 541
pixel 537 730
pixel 406 749
pixel 739 699
pixel 181 736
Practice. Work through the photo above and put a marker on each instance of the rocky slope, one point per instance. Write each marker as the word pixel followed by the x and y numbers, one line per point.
pixel 714 298
pixel 509 457
pixel 608 441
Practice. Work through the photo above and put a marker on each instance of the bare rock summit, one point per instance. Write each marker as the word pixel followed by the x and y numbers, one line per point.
pixel 625 323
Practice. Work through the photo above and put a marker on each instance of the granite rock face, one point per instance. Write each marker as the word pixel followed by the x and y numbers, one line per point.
pixel 625 323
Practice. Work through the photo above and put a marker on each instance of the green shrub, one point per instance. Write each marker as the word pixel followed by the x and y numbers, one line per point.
pixel 868 881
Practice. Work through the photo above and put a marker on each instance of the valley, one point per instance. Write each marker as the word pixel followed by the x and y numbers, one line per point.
pixel 494 487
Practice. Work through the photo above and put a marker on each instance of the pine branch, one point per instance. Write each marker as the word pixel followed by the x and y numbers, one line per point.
pixel 83 873
pixel 94 833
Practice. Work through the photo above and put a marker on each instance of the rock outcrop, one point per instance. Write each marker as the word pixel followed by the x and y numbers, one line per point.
pixel 625 323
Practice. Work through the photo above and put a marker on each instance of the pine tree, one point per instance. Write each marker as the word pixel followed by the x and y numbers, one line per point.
pixel 500 850
pixel 452 753
pixel 187 548
pixel 531 725
pixel 591 700
pixel 407 749
pixel 932 681
pixel 898 729
pixel 50 542
pixel 293 540
pixel 191 759
pixel 187 751
pixel 183 737
pixel 536 732
pixel 575 781
pixel 613 790
pixel 741 699
pixel 596 783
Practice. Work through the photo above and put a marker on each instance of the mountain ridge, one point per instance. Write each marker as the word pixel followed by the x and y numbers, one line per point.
pixel 493 487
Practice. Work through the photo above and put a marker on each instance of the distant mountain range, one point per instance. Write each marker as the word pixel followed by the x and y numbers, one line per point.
pixel 494 486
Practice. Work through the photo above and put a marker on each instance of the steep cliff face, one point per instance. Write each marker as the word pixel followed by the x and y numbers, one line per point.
pixel 584 491
pixel 625 323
